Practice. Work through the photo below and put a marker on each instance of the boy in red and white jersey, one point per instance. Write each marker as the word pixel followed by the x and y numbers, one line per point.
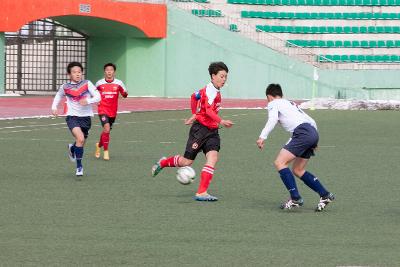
pixel 110 89
pixel 203 135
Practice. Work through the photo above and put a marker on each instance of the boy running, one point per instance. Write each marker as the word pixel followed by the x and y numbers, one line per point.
pixel 203 134
pixel 298 150
pixel 80 95
pixel 109 89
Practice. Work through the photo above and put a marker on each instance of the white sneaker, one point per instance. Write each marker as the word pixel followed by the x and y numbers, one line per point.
pixel 324 201
pixel 71 156
pixel 79 171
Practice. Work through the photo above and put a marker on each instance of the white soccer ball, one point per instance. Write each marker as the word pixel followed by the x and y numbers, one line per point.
pixel 185 175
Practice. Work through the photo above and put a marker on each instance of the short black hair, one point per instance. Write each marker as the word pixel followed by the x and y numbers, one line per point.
pixel 74 64
pixel 215 67
pixel 110 65
pixel 274 89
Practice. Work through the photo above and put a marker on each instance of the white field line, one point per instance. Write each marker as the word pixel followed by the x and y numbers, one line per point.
pixel 46 126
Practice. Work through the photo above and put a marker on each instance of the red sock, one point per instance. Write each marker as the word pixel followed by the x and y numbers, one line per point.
pixel 170 162
pixel 106 140
pixel 101 139
pixel 206 176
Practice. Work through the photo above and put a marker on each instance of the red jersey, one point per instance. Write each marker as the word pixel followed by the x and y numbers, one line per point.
pixel 206 103
pixel 109 91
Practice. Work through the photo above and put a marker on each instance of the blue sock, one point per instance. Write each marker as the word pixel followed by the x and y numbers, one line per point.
pixel 72 149
pixel 290 183
pixel 79 155
pixel 312 182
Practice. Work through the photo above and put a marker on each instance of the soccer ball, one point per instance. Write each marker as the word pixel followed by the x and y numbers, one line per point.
pixel 185 175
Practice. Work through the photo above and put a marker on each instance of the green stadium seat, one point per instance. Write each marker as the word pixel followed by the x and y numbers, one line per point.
pixel 371 29
pixel 336 58
pixel 331 29
pixel 347 29
pixel 380 29
pixel 367 2
pixel 389 43
pixel 338 29
pixel 322 29
pixel 386 58
pixel 397 43
pixel 360 58
pixel 330 16
pixel 330 44
pixel 372 44
pixel 298 29
pixel 334 2
pixel 321 43
pixel 347 44
pixel 326 2
pixel 375 2
pixel 338 15
pixel 378 58
pixel 284 2
pixel 355 43
pixel 338 43
pixel 353 58
pixel 396 29
pixel 363 29
pixel 387 29
pixel 233 28
pixel 342 3
pixel 364 44
pixel 381 43
pixel 391 2
pixel 313 15
pixel 306 29
pixel 394 58
pixel 355 29
pixel 351 2
pixel 293 2
pixel 369 58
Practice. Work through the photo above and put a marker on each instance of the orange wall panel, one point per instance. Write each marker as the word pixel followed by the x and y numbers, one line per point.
pixel 149 18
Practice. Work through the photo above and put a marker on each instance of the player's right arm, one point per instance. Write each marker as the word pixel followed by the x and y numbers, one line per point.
pixel 273 119
pixel 57 99
pixel 194 106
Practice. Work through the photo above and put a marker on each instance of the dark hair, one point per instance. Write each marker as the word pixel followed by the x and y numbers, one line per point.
pixel 274 89
pixel 215 67
pixel 110 65
pixel 74 64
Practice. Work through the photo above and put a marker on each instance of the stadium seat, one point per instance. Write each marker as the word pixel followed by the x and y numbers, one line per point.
pixel 389 44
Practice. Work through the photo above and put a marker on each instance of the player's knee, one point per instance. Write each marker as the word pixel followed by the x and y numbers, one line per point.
pixel 185 162
pixel 279 164
pixel 80 140
pixel 298 171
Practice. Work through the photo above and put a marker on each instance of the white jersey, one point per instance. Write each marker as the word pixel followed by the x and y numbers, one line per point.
pixel 288 114
pixel 75 92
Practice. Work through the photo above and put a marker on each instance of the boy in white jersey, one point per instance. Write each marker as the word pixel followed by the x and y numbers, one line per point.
pixel 298 150
pixel 80 95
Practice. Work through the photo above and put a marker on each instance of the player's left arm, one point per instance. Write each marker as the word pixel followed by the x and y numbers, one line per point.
pixel 214 116
pixel 122 90
pixel 94 93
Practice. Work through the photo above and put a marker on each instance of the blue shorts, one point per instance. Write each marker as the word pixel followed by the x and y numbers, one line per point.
pixel 303 142
pixel 82 122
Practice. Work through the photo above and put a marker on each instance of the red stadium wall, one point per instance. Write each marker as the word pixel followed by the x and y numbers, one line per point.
pixel 151 19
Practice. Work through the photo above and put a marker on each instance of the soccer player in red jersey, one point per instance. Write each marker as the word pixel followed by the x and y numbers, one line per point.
pixel 109 89
pixel 203 135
